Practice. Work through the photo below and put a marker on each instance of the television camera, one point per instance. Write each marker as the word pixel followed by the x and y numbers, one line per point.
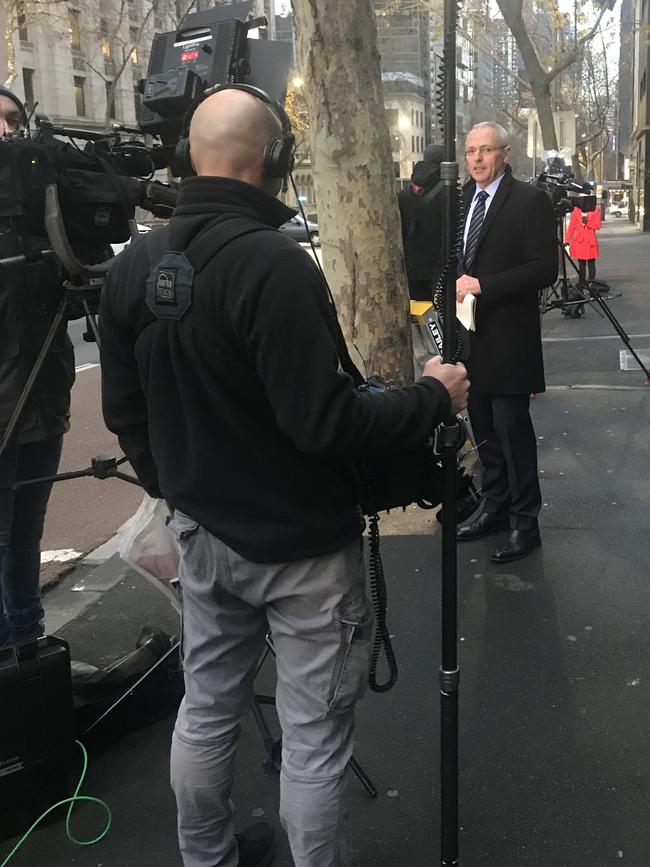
pixel 566 193
pixel 68 203
pixel 83 198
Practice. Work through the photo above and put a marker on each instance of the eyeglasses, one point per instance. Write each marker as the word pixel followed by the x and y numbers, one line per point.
pixel 484 150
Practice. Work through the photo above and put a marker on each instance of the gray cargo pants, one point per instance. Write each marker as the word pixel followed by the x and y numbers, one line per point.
pixel 321 621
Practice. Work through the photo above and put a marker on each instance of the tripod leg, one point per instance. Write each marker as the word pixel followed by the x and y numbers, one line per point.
pixel 265 731
pixel 91 319
pixel 31 379
pixel 273 747
pixel 363 777
pixel 172 650
pixel 618 328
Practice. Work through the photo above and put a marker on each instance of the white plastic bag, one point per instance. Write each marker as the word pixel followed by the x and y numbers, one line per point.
pixel 149 546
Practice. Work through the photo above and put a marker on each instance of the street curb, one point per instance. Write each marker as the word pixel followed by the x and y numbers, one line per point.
pixel 88 581
pixel 95 558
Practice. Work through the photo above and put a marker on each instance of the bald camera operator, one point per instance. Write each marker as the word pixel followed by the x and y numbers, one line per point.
pixel 29 297
pixel 223 385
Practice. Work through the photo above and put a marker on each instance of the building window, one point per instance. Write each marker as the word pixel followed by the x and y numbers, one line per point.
pixel 392 117
pixel 133 38
pixel 642 86
pixel 75 30
pixel 106 42
pixel 28 87
pixel 413 143
pixel 23 35
pixel 79 97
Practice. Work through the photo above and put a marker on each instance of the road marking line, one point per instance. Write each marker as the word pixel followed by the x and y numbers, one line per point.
pixel 60 556
pixel 597 387
pixel 592 337
pixel 89 366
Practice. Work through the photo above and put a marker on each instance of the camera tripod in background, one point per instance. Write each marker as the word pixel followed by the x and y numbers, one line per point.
pixel 273 745
pixel 571 297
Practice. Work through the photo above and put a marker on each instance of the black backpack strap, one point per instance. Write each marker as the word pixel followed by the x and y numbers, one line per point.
pixel 173 267
pixel 432 193
pixel 347 365
pixel 224 230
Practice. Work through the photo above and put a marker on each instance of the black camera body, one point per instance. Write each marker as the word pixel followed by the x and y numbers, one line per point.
pixel 566 193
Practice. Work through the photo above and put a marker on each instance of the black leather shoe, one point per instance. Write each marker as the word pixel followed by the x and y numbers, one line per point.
pixel 256 846
pixel 520 544
pixel 483 525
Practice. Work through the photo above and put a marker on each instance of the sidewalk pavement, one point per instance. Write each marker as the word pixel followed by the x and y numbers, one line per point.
pixel 586 351
pixel 554 650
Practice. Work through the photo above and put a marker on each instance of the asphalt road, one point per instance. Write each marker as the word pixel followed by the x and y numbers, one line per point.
pixel 85 353
pixel 586 351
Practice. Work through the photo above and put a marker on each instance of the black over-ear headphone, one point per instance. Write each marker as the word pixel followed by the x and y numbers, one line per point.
pixel 279 154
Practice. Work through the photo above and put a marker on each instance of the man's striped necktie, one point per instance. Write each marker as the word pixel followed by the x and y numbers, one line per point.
pixel 478 215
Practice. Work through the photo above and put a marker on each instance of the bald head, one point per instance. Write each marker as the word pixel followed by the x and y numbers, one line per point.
pixel 228 135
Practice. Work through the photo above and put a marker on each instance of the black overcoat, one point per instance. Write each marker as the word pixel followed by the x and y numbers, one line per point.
pixel 29 297
pixel 517 255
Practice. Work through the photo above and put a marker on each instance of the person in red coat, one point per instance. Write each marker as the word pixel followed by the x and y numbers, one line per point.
pixel 583 241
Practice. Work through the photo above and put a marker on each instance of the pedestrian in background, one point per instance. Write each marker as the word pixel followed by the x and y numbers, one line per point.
pixel 420 207
pixel 581 236
pixel 421 211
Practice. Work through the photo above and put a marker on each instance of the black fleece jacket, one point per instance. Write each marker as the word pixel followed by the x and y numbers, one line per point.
pixel 238 413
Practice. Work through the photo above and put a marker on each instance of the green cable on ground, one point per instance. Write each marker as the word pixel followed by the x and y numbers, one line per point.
pixel 71 801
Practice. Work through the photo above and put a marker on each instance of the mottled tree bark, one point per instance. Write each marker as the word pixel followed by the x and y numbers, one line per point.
pixel 354 180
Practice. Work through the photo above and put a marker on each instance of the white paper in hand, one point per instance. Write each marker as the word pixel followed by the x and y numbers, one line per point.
pixel 465 312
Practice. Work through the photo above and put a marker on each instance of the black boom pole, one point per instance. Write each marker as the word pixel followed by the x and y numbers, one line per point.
pixel 449 673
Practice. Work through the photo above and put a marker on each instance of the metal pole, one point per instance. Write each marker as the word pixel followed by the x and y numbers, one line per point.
pixel 449 674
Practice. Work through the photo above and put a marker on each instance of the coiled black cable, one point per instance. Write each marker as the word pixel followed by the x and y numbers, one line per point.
pixel 449 267
pixel 381 641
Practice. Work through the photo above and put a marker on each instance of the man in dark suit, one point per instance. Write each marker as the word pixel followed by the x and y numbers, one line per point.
pixel 509 254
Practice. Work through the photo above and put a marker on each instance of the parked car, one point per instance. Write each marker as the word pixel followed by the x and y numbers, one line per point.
pixel 618 210
pixel 297 229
